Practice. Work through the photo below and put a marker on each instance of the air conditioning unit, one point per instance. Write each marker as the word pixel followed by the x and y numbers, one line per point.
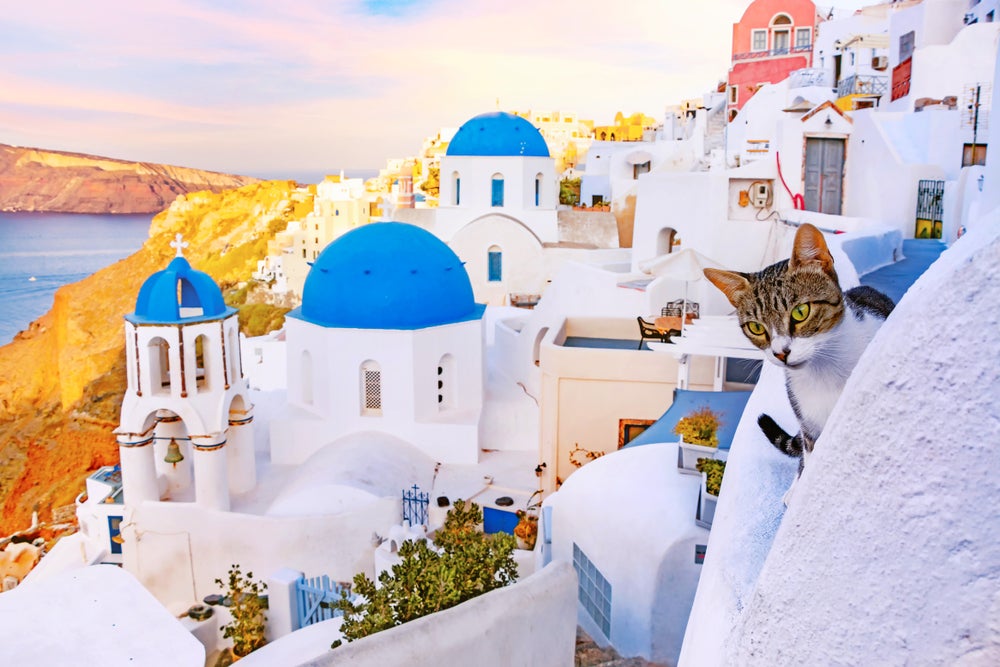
pixel 880 62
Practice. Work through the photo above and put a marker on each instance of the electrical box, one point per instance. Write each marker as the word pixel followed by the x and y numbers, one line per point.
pixel 760 194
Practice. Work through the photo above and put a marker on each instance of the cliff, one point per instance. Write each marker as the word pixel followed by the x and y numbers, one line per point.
pixel 39 180
pixel 62 380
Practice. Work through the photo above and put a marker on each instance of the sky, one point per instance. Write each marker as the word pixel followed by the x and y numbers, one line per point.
pixel 262 87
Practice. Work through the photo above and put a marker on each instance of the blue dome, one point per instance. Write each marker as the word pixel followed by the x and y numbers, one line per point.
pixel 387 275
pixel 158 301
pixel 498 134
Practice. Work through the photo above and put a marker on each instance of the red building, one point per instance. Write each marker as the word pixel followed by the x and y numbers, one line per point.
pixel 773 38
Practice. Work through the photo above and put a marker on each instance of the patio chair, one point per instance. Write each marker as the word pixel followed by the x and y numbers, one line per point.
pixel 649 330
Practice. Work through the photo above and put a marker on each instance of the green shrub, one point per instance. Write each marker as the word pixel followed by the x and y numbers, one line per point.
pixel 714 470
pixel 257 319
pixel 469 563
pixel 246 606
pixel 700 427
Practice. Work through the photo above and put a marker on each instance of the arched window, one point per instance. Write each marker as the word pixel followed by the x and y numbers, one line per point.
pixel 457 189
pixel 446 382
pixel 495 264
pixel 497 191
pixel 371 389
pixel 159 365
pixel 538 189
pixel 306 386
pixel 665 240
pixel 201 361
pixel 781 33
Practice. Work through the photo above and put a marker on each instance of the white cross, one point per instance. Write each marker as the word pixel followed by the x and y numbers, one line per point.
pixel 180 244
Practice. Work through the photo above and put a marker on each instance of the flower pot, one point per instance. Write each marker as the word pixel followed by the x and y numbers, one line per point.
pixel 688 455
pixel 705 512
pixel 526 531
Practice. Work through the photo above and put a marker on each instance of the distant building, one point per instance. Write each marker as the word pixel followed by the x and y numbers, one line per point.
pixel 637 127
pixel 773 38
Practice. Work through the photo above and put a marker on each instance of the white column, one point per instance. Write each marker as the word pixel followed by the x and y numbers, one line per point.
pixel 282 603
pixel 240 452
pixel 138 471
pixel 211 478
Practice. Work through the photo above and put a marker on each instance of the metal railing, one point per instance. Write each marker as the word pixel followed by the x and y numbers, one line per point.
pixel 863 84
pixel 809 76
pixel 751 55
pixel 415 504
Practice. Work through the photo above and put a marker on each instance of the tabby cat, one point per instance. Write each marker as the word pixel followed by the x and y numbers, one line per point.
pixel 795 311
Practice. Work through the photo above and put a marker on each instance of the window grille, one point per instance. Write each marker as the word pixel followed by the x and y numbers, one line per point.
pixel 594 591
pixel 372 390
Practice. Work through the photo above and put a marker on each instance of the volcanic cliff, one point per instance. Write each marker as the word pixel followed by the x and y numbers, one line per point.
pixel 32 179
pixel 62 380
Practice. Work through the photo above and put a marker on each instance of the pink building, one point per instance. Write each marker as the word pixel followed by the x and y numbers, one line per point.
pixel 772 39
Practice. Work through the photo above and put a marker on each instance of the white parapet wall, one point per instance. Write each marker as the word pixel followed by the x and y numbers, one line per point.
pixel 531 623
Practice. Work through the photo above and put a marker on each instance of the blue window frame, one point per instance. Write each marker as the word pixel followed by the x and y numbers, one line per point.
pixel 458 191
pixel 497 199
pixel 495 265
pixel 594 591
pixel 538 189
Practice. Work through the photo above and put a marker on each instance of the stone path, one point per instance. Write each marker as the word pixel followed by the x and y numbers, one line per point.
pixel 589 654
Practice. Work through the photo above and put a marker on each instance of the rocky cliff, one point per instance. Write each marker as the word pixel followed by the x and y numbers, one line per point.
pixel 62 380
pixel 39 180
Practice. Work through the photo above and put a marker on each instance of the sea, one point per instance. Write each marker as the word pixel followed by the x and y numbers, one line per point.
pixel 40 252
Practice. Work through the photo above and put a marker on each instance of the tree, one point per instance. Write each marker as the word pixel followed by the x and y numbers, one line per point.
pixel 247 609
pixel 569 191
pixel 463 563
pixel 432 184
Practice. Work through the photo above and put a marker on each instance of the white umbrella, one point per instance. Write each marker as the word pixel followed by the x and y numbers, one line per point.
pixel 687 265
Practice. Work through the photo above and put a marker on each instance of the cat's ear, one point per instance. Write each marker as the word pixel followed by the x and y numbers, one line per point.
pixel 809 247
pixel 730 282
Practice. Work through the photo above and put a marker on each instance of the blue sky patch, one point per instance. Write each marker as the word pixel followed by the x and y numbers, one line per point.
pixel 391 7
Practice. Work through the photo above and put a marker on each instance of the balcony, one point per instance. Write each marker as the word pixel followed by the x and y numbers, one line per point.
pixel 809 76
pixel 773 53
pixel 860 84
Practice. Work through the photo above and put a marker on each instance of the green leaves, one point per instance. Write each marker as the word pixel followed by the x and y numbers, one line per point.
pixel 246 606
pixel 463 563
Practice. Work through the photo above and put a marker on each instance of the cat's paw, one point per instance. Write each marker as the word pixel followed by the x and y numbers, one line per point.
pixel 787 498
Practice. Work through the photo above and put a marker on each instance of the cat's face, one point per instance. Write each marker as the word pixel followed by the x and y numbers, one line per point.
pixel 789 308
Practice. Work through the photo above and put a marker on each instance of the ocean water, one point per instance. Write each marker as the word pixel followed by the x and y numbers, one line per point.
pixel 40 252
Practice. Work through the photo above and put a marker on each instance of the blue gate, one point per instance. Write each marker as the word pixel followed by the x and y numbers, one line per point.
pixel 415 506
pixel 316 597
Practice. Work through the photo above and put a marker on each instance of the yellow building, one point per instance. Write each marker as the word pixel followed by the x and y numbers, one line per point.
pixel 629 128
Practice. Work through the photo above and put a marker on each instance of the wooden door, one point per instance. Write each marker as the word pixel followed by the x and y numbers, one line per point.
pixel 824 175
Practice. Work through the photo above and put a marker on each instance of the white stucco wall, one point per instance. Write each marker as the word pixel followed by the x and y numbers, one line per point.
pixel 408 360
pixel 529 624
pixel 522 269
pixel 632 514
pixel 887 552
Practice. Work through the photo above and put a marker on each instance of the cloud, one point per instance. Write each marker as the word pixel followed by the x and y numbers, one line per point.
pixel 246 85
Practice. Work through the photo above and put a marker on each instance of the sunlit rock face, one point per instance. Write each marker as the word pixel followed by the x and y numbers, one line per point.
pixel 38 180
pixel 61 380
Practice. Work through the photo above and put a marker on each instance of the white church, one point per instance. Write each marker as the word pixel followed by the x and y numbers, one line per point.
pixel 386 375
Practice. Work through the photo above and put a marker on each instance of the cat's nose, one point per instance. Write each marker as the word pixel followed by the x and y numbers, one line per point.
pixel 781 356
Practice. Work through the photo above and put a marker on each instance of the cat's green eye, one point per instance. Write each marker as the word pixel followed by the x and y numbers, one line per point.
pixel 756 328
pixel 800 312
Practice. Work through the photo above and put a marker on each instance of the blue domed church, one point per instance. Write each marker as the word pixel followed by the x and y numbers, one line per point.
pixel 498 199
pixel 388 338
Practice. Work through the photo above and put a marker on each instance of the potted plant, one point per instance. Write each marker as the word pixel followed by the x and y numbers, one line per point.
pixel 526 530
pixel 698 438
pixel 711 471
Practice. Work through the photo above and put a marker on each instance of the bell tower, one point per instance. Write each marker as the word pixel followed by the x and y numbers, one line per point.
pixel 185 427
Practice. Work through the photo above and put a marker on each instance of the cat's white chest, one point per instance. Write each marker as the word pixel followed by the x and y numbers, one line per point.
pixel 816 396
